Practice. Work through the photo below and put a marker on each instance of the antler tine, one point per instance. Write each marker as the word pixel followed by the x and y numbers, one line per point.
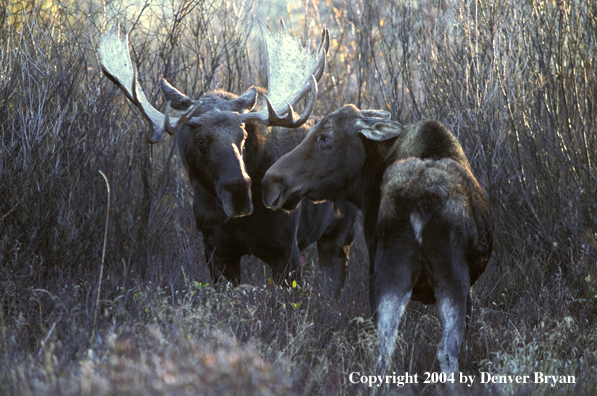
pixel 310 104
pixel 184 119
pixel 115 61
pixel 272 118
pixel 278 119
pixel 324 45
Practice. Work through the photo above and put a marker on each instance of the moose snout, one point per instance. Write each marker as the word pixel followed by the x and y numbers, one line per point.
pixel 272 192
pixel 278 192
pixel 235 196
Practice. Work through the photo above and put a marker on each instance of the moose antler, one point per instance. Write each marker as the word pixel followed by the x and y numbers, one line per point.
pixel 115 61
pixel 292 74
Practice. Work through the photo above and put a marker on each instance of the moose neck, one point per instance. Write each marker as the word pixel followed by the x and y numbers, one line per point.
pixel 425 140
pixel 254 147
pixel 365 191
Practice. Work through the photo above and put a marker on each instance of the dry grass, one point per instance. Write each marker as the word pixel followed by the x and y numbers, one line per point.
pixel 517 83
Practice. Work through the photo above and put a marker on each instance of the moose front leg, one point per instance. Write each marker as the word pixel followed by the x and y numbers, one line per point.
pixel 285 263
pixel 334 252
pixel 223 261
pixel 288 267
pixel 224 269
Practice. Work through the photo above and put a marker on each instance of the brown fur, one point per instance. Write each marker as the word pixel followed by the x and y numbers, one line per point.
pixel 226 169
pixel 426 219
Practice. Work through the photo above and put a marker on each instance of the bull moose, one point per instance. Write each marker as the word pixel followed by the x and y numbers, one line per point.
pixel 227 145
pixel 427 221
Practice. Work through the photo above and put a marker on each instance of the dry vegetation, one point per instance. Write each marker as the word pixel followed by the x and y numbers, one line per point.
pixel 516 81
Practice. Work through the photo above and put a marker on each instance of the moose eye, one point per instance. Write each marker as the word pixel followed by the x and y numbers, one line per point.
pixel 323 138
pixel 199 141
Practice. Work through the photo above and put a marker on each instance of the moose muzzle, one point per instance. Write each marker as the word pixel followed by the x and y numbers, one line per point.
pixel 276 196
pixel 235 196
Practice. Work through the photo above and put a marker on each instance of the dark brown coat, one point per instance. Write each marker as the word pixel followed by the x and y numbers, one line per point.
pixel 227 146
pixel 427 221
pixel 226 161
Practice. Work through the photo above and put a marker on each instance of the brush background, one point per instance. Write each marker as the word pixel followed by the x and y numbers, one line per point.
pixel 516 81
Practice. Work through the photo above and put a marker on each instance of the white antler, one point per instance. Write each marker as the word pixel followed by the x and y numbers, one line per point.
pixel 115 61
pixel 292 73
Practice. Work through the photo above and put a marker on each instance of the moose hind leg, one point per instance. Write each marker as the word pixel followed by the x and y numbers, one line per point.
pixel 452 289
pixel 451 281
pixel 390 309
pixel 452 313
pixel 397 267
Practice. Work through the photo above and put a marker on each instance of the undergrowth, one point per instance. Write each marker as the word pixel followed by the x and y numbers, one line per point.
pixel 515 81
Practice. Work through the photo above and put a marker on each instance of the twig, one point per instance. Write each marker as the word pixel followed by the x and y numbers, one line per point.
pixel 99 286
pixel 12 209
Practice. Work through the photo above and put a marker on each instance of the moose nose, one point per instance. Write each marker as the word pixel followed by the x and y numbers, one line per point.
pixel 235 196
pixel 271 196
pixel 271 190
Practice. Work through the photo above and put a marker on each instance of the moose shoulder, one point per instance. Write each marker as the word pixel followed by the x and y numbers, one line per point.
pixel 427 221
pixel 227 144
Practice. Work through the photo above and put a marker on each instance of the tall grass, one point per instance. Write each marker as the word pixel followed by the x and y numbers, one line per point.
pixel 515 81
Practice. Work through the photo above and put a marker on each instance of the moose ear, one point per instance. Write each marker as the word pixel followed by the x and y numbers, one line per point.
pixel 177 99
pixel 246 101
pixel 378 129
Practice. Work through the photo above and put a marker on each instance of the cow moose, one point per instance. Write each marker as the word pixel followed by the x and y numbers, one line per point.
pixel 227 145
pixel 427 221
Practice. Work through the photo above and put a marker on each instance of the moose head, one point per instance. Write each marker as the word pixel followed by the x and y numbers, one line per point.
pixel 212 130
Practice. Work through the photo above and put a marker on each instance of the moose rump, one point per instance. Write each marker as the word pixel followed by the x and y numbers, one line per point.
pixel 422 250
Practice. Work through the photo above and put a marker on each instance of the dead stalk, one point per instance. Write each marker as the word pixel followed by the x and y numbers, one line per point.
pixel 99 286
